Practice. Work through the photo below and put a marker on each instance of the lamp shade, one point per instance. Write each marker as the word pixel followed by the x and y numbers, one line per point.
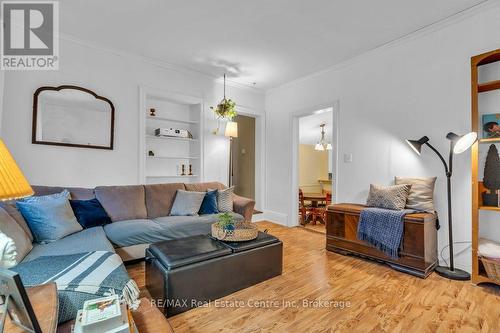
pixel 231 129
pixel 416 145
pixel 462 143
pixel 13 184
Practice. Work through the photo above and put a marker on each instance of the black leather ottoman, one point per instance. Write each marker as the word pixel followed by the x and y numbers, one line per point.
pixel 189 272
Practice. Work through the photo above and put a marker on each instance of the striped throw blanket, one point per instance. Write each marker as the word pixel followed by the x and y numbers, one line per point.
pixel 382 228
pixel 81 277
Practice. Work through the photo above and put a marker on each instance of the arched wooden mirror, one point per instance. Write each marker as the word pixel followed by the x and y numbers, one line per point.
pixel 72 116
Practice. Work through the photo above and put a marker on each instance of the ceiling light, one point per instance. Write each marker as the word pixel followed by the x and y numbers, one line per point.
pixel 319 147
pixel 322 145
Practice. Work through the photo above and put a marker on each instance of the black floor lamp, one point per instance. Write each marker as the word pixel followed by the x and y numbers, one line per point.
pixel 458 144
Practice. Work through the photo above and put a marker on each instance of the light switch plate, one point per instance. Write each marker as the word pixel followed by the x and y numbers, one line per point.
pixel 348 158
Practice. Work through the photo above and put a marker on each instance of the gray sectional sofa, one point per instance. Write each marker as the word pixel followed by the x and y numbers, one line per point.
pixel 139 214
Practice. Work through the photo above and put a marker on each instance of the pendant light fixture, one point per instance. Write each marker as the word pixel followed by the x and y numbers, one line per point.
pixel 321 145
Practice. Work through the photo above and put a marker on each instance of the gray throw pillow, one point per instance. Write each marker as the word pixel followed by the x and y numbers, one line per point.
pixel 11 209
pixel 421 195
pixel 187 203
pixel 225 200
pixel 388 197
pixel 12 230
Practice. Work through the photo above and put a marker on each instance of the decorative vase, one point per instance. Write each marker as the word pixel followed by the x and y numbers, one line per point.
pixel 490 199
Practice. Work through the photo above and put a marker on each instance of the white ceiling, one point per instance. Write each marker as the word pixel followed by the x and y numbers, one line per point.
pixel 262 41
pixel 309 130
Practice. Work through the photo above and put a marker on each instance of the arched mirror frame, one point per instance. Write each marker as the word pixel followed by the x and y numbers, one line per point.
pixel 34 139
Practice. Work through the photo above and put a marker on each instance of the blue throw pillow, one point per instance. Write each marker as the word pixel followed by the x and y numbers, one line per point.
pixel 209 204
pixel 89 213
pixel 49 217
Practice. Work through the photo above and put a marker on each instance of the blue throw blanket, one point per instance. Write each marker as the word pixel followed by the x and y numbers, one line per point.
pixel 80 277
pixel 382 228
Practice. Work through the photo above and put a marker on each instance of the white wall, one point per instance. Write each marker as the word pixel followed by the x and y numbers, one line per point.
pixel 2 79
pixel 313 166
pixel 117 76
pixel 416 86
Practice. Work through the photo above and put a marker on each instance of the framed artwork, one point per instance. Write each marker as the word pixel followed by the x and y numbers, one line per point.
pixel 14 302
pixel 491 126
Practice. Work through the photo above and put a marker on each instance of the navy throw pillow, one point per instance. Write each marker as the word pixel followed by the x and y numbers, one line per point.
pixel 209 204
pixel 89 213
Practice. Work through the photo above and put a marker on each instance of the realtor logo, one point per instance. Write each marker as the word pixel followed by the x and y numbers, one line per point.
pixel 30 35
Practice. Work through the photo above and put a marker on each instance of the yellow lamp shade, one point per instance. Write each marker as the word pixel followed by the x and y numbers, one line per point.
pixel 13 184
pixel 232 129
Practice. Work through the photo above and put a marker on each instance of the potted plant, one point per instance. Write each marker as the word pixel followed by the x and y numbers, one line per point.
pixel 226 109
pixel 491 178
pixel 226 222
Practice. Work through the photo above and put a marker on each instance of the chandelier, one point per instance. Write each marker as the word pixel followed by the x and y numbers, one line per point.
pixel 322 144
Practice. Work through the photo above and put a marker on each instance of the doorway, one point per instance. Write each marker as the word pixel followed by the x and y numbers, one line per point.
pixel 243 157
pixel 314 165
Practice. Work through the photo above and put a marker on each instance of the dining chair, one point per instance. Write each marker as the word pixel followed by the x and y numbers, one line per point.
pixel 303 208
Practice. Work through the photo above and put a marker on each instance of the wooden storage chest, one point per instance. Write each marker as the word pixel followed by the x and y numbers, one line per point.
pixel 418 251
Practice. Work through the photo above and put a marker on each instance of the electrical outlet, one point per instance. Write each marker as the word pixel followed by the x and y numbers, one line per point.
pixel 348 158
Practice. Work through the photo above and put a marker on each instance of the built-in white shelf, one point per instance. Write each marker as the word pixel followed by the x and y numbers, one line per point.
pixel 171 176
pixel 154 137
pixel 171 154
pixel 175 157
pixel 173 120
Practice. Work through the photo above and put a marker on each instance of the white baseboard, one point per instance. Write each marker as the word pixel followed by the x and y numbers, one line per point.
pixel 272 216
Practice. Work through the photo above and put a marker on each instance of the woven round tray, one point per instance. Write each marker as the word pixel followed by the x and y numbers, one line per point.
pixel 242 232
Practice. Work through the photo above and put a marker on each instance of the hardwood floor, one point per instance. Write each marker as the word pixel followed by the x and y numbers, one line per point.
pixel 379 298
pixel 321 228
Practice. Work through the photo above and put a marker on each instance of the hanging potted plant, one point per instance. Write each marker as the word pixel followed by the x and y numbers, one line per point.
pixel 491 179
pixel 226 109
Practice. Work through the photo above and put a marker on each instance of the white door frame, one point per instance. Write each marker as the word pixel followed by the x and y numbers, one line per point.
pixel 294 120
pixel 260 153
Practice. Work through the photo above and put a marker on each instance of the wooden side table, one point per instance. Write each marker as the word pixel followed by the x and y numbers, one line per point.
pixel 147 317
pixel 45 304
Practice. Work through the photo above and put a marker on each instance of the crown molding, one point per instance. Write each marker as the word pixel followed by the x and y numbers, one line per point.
pixel 157 62
pixel 416 34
